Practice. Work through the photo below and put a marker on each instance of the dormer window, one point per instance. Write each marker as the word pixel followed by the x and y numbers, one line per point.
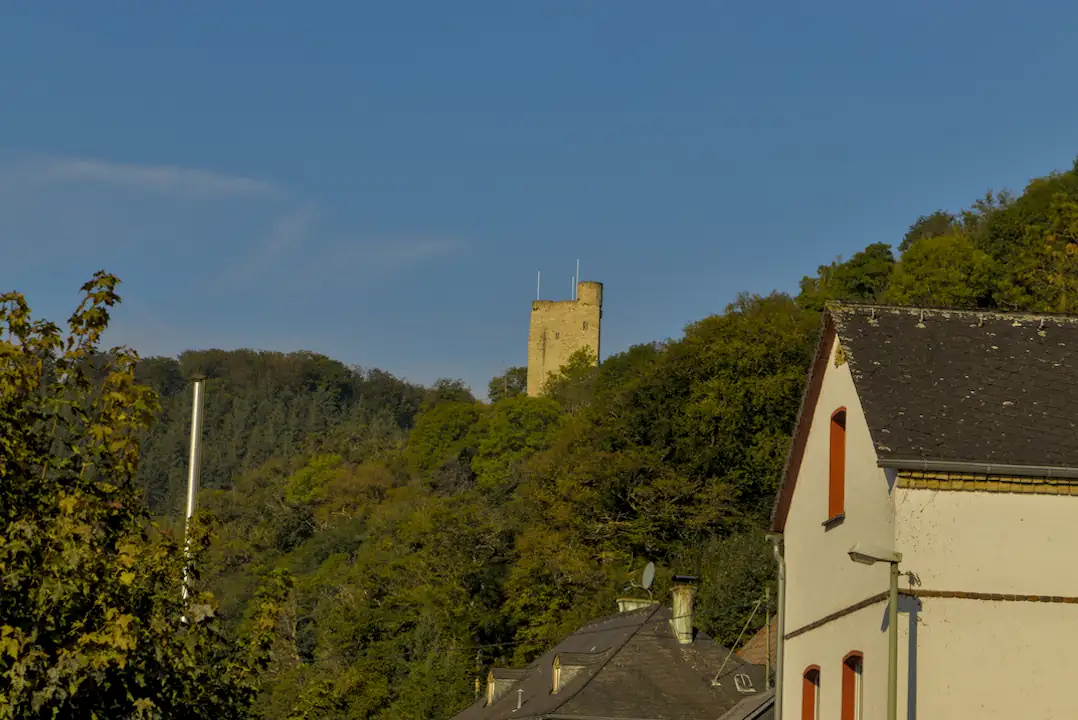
pixel 502 680
pixel 836 471
pixel 568 665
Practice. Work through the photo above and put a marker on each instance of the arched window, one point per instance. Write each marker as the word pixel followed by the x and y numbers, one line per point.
pixel 852 700
pixel 836 485
pixel 810 694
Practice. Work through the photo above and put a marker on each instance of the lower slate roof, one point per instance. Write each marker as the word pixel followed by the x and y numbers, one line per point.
pixel 644 673
pixel 755 707
pixel 971 387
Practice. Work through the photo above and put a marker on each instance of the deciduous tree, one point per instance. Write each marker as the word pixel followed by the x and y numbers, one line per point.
pixel 90 607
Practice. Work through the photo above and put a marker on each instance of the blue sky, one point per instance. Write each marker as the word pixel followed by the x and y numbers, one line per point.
pixel 380 182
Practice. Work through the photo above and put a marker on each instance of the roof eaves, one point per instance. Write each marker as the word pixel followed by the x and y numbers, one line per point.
pixel 978 468
pixel 751 707
pixel 809 396
pixel 563 716
pixel 842 307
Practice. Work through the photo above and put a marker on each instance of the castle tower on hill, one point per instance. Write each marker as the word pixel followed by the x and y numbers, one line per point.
pixel 560 328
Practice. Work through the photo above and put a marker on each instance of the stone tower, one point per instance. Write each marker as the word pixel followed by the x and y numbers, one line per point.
pixel 559 328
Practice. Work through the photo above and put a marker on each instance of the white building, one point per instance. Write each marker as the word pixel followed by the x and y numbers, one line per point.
pixel 951 438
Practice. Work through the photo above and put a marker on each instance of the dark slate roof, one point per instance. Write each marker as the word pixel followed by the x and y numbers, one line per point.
pixel 996 389
pixel 760 706
pixel 643 673
pixel 569 659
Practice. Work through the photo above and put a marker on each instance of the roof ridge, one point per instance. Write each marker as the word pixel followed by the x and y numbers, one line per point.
pixel 839 305
pixel 614 615
pixel 805 407
pixel 612 653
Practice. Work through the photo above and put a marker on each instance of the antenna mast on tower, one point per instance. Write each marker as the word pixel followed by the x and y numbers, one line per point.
pixel 538 277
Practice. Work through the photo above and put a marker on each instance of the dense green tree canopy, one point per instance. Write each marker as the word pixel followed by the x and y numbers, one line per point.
pixel 514 382
pixel 1004 252
pixel 944 271
pixel 936 224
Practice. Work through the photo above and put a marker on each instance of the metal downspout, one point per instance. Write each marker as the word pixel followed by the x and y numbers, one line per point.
pixel 780 621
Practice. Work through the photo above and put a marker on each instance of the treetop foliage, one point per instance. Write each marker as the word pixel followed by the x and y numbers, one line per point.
pixel 1004 252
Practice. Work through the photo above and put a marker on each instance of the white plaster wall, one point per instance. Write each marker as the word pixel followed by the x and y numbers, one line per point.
pixel 826 647
pixel 986 660
pixel 988 542
pixel 957 659
pixel 821 579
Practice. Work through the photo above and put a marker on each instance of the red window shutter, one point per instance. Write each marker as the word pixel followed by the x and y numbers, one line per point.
pixel 851 668
pixel 810 688
pixel 836 490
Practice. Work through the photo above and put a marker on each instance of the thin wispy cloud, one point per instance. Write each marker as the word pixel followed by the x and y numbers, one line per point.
pixel 161 179
pixel 294 247
pixel 384 255
pixel 287 233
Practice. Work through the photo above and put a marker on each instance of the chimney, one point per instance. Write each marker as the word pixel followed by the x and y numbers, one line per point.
pixel 628 604
pixel 681 620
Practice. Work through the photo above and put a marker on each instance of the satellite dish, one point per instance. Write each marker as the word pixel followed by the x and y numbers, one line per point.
pixel 649 576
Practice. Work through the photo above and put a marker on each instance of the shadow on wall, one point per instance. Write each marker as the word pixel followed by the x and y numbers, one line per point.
pixel 891 475
pixel 911 606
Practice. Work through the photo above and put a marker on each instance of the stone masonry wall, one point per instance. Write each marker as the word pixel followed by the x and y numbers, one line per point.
pixel 560 328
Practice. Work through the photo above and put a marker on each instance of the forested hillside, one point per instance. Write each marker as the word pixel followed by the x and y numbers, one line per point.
pixel 430 536
pixel 263 406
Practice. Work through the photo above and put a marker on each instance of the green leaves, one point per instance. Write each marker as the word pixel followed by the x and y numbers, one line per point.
pixel 512 384
pixel 862 278
pixel 439 440
pixel 1003 252
pixel 944 271
pixel 509 433
pixel 90 604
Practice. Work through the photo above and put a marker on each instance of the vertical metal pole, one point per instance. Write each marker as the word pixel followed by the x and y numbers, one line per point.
pixel 193 459
pixel 538 277
pixel 767 624
pixel 892 647
pixel 780 623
